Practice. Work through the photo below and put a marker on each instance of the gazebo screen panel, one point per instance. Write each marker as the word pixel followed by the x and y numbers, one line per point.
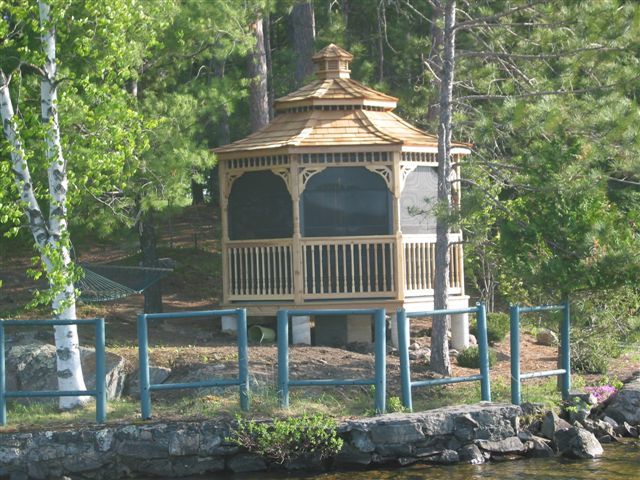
pixel 346 201
pixel 260 207
pixel 418 200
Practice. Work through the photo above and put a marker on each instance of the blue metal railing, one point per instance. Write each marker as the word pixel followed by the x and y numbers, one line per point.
pixel 403 351
pixel 143 353
pixel 565 359
pixel 99 392
pixel 380 379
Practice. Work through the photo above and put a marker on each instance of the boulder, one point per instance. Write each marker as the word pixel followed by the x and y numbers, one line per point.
pixel 551 424
pixel 157 375
pixel 547 337
pixel 508 445
pixel 471 454
pixel 625 407
pixel 33 367
pixel 577 443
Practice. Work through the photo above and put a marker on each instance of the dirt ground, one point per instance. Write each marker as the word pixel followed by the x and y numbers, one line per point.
pixel 191 240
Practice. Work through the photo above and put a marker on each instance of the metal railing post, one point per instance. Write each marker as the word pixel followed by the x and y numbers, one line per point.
pixel 3 399
pixel 483 351
pixel 283 358
pixel 566 349
pixel 243 359
pixel 101 390
pixel 514 314
pixel 143 353
pixel 380 360
pixel 403 352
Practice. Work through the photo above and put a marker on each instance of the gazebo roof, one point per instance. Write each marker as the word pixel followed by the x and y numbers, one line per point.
pixel 333 110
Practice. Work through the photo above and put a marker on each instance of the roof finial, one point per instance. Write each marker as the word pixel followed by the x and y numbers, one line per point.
pixel 332 62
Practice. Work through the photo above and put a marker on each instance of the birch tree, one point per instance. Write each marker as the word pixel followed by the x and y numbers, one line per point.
pixel 101 131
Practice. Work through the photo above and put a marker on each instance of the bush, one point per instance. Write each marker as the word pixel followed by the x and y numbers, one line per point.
pixel 288 439
pixel 470 358
pixel 590 352
pixel 497 327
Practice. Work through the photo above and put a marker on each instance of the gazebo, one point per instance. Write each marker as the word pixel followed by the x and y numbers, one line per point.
pixel 329 206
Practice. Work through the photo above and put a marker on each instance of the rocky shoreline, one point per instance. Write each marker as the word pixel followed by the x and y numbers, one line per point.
pixel 470 433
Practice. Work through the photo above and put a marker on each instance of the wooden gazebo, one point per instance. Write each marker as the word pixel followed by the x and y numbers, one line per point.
pixel 329 205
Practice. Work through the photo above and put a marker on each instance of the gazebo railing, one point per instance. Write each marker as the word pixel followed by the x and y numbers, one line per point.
pixel 260 269
pixel 349 267
pixel 420 261
pixel 336 267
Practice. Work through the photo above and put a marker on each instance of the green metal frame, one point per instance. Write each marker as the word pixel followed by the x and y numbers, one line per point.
pixel 565 354
pixel 380 379
pixel 143 354
pixel 405 366
pixel 100 392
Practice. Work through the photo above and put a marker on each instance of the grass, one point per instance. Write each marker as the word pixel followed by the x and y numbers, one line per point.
pixel 336 403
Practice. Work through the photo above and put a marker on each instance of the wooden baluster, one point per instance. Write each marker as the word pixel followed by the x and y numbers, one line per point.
pixel 383 254
pixel 392 257
pixel 359 248
pixel 367 285
pixel 232 283
pixel 376 279
pixel 353 271
pixel 423 283
pixel 271 290
pixel 321 266
pixel 277 269
pixel 305 274
pixel 409 263
pixel 287 287
pixel 336 249
pixel 345 287
pixel 247 275
pixel 433 263
pixel 313 269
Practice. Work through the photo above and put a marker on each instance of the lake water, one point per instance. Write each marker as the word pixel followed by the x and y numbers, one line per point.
pixel 620 461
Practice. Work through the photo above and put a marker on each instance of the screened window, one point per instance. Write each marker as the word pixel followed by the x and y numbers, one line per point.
pixel 417 201
pixel 259 207
pixel 346 201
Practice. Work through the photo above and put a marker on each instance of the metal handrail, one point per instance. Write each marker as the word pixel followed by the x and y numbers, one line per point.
pixel 402 318
pixel 100 390
pixel 242 381
pixel 380 379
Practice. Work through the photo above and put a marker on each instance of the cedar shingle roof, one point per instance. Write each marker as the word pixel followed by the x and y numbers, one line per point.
pixel 333 111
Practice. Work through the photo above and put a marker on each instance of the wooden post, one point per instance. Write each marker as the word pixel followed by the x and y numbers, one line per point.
pixel 297 266
pixel 224 201
pixel 399 267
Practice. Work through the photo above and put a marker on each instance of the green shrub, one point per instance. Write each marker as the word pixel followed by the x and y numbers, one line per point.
pixel 394 404
pixel 497 327
pixel 288 439
pixel 591 352
pixel 470 358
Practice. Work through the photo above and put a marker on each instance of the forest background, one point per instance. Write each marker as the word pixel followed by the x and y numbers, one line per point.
pixel 546 91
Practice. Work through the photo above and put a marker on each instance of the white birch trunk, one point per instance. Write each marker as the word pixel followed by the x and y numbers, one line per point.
pixel 64 304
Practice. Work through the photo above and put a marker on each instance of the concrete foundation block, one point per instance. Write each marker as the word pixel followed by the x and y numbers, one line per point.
pixel 359 328
pixel 393 318
pixel 230 325
pixel 460 331
pixel 301 330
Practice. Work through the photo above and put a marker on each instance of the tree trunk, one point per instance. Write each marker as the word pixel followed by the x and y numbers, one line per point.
pixel 434 61
pixel 197 193
pixel 147 237
pixel 304 35
pixel 271 93
pixel 258 93
pixel 69 368
pixel 439 343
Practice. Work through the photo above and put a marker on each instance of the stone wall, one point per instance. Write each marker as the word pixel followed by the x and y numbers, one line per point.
pixel 465 433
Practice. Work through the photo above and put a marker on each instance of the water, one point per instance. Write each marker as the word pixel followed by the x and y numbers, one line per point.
pixel 621 461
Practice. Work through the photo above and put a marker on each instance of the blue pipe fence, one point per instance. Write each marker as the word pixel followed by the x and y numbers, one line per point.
pixel 565 359
pixel 100 392
pixel 403 350
pixel 380 379
pixel 242 381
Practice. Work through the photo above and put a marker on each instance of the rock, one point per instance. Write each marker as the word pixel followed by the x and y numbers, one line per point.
pixel 536 446
pixel 547 337
pixel 626 430
pixel 33 367
pixel 465 427
pixel 551 424
pixel 625 407
pixel 421 354
pixel 446 457
pixel 588 398
pixel 453 352
pixel 414 346
pixel 473 341
pixel 471 454
pixel 610 421
pixel 508 445
pixel 606 439
pixel 157 375
pixel 246 462
pixel 577 443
